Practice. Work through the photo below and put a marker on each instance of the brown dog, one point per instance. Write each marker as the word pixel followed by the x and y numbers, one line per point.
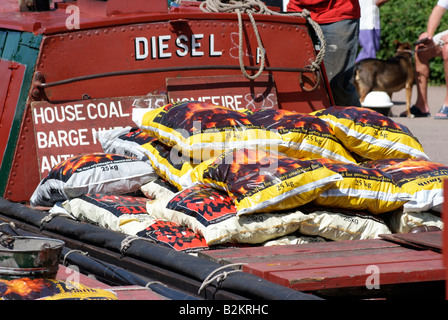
pixel 389 75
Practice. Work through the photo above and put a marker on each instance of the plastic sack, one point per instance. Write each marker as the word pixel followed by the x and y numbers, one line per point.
pixel 174 236
pixel 422 179
pixel 168 162
pixel 202 130
pixel 404 222
pixel 128 215
pixel 50 289
pixel 260 180
pixel 125 141
pixel 340 224
pixel 158 188
pixel 212 213
pixel 293 239
pixel 120 213
pixel 370 134
pixel 304 136
pixel 362 188
pixel 92 173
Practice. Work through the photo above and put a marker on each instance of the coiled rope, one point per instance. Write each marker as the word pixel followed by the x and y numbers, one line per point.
pixel 257 6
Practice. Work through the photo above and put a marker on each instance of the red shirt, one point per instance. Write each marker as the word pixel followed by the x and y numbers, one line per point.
pixel 327 11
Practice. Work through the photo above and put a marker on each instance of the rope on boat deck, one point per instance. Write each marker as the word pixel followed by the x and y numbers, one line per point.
pixel 219 277
pixel 73 250
pixel 259 7
pixel 50 217
pixel 7 239
pixel 10 224
pixel 126 243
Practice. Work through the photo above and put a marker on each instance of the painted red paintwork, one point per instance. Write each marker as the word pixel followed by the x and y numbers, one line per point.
pixel 337 264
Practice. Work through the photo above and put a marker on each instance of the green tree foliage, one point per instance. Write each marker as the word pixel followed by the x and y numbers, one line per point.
pixel 405 20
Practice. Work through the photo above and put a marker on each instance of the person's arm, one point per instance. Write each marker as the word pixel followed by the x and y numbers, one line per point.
pixel 433 22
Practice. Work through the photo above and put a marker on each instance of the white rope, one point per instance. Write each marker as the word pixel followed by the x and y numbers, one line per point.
pixel 7 239
pixel 47 219
pixel 11 224
pixel 219 277
pixel 53 214
pixel 126 243
pixel 259 7
pixel 74 250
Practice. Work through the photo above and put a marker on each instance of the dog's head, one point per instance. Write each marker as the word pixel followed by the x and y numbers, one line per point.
pixel 402 48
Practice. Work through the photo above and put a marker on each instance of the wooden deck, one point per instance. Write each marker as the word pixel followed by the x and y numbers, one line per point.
pixel 363 264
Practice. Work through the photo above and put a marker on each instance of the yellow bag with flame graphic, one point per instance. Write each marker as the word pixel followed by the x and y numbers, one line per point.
pixel 50 289
pixel 422 179
pixel 371 135
pixel 212 213
pixel 260 180
pixel 304 136
pixel 168 162
pixel 202 130
pixel 362 188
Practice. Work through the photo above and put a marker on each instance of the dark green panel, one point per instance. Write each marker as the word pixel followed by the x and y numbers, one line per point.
pixel 21 47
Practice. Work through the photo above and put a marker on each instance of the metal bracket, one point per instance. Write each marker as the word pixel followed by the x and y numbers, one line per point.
pixel 37 90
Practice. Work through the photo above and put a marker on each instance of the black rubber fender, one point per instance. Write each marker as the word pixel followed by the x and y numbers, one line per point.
pixel 245 284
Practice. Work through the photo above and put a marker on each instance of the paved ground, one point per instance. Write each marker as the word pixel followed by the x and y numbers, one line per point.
pixel 432 133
